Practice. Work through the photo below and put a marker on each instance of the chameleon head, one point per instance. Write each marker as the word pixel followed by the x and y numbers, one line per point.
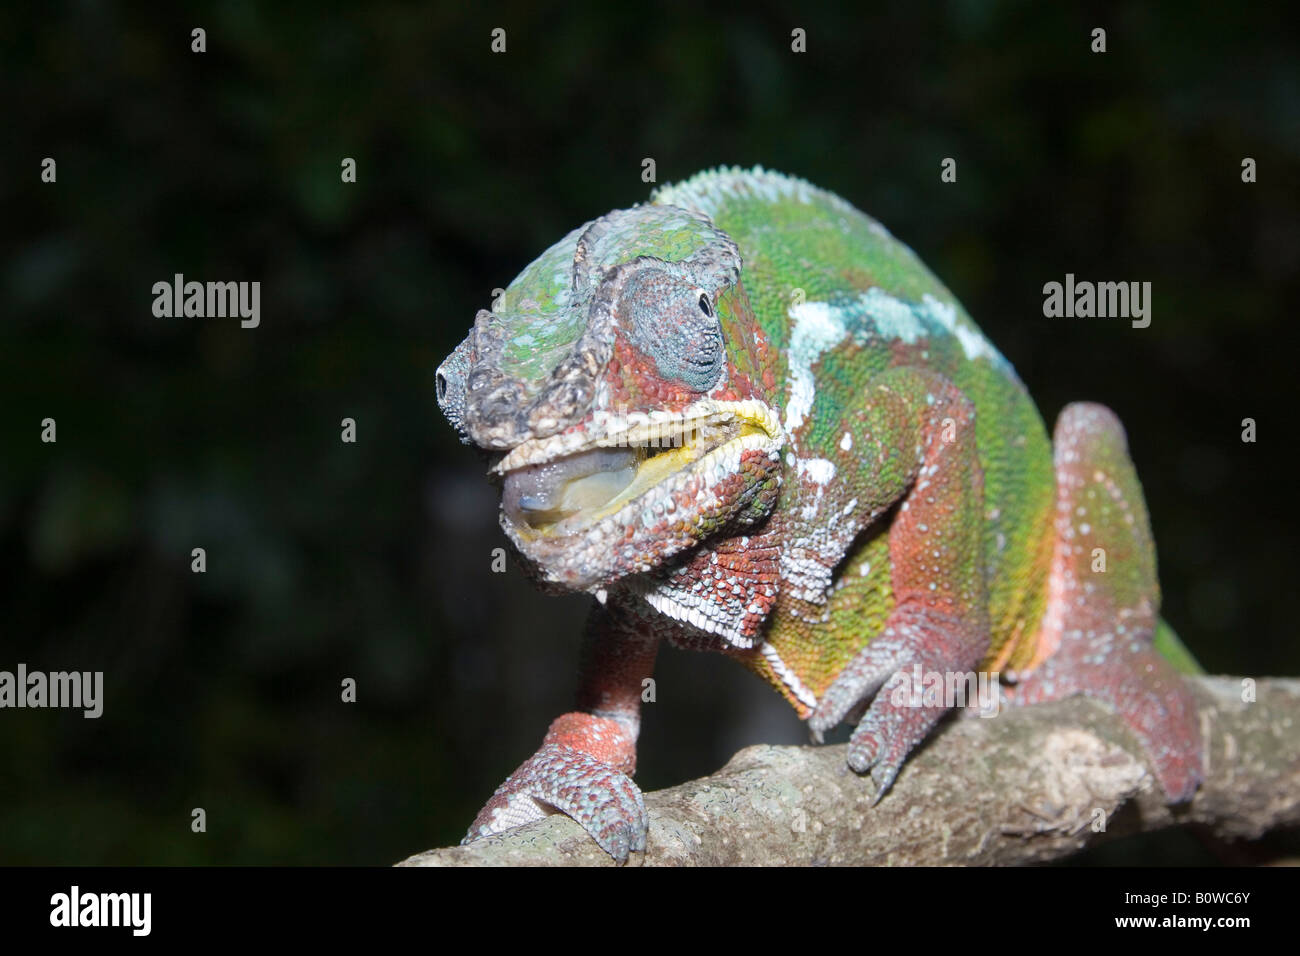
pixel 623 390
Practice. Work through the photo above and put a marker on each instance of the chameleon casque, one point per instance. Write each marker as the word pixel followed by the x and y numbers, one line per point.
pixel 749 420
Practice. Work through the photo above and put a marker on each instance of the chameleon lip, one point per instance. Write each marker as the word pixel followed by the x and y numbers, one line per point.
pixel 655 429
pixel 622 467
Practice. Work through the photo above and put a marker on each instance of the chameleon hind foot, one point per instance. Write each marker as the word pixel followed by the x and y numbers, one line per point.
pixel 1152 699
pixel 1103 601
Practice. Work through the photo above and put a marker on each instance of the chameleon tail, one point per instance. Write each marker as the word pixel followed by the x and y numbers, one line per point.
pixel 1174 651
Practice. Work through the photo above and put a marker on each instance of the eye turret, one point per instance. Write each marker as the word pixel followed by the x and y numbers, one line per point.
pixel 673 321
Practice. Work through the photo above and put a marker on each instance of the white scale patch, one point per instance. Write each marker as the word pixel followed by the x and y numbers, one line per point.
pixel 972 341
pixel 788 677
pixel 818 327
pixel 819 470
pixel 890 318
pixel 698 612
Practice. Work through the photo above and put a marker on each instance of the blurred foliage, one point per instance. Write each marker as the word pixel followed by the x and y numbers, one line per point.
pixel 371 560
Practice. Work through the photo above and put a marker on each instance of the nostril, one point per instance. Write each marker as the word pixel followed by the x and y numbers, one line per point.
pixel 441 386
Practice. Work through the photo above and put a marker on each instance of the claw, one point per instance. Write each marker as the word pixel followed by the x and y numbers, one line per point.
pixel 603 801
pixel 894 724
pixel 1148 694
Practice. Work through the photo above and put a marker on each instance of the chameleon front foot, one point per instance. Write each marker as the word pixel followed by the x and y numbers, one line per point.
pixel 898 717
pixel 563 778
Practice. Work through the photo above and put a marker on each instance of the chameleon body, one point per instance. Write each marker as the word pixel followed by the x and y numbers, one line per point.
pixel 749 420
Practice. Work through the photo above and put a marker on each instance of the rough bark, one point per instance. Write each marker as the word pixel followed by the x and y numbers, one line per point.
pixel 1033 784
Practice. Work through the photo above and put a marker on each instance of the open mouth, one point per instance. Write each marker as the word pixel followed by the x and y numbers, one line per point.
pixel 559 485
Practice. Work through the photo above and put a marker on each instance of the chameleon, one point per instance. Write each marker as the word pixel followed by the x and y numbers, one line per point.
pixel 746 419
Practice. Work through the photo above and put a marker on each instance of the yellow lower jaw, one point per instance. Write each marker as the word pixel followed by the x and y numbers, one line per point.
pixel 650 473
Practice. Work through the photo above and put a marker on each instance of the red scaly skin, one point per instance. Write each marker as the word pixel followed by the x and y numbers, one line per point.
pixel 1097 633
pixel 939 619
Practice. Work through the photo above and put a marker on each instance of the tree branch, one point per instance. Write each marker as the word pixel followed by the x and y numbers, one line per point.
pixel 1026 787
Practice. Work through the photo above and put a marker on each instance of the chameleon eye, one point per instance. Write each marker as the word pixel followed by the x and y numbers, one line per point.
pixel 674 323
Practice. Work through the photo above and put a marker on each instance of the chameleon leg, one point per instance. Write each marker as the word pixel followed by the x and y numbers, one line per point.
pixel 584 765
pixel 940 621
pixel 1103 600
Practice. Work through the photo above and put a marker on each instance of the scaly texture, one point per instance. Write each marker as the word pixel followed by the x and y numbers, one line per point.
pixel 747 419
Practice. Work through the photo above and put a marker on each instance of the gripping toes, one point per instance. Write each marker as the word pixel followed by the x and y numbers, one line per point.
pixel 916 642
pixel 602 800
pixel 939 623
pixel 1150 697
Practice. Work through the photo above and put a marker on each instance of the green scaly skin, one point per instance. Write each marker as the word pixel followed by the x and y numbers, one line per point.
pixel 747 419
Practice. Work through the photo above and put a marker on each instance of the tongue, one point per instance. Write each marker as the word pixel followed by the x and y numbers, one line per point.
pixel 554 490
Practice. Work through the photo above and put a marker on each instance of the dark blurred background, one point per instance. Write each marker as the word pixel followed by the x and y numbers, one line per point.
pixel 372 560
